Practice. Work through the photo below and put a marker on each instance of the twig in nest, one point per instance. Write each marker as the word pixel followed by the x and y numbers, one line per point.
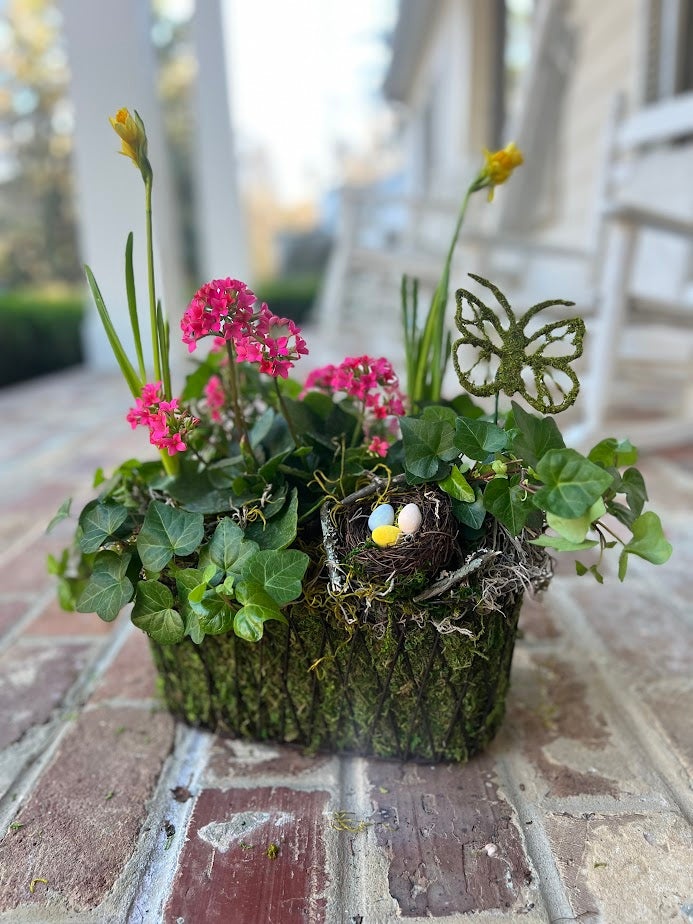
pixel 376 485
pixel 455 577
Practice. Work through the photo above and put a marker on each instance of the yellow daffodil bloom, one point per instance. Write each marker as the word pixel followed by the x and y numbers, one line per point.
pixel 498 166
pixel 130 130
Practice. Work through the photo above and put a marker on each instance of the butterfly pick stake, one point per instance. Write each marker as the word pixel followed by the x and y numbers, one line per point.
pixel 515 353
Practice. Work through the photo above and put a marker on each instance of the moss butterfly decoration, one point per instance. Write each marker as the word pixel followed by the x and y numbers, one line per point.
pixel 515 350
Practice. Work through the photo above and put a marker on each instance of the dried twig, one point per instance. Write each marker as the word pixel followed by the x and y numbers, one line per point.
pixel 455 577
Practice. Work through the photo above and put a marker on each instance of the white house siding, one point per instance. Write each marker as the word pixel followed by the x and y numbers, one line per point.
pixel 605 63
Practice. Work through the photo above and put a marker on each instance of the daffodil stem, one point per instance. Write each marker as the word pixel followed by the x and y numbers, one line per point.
pixel 430 352
pixel 150 276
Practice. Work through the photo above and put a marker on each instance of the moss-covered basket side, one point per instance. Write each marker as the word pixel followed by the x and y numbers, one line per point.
pixel 412 693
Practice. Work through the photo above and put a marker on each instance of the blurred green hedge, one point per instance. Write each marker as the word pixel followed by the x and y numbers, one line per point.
pixel 39 333
pixel 290 296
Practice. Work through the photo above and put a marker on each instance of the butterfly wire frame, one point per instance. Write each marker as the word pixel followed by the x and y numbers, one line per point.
pixel 512 353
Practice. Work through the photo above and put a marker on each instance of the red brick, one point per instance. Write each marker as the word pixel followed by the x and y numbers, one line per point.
pixel 230 759
pixel 433 824
pixel 81 821
pixel 218 881
pixel 629 869
pixel 33 682
pixel 10 612
pixel 132 674
pixel 54 621
pixel 25 571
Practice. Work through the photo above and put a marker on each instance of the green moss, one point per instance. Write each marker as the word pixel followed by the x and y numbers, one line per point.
pixel 398 691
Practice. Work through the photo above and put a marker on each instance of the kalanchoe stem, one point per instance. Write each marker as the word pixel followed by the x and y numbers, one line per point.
pixel 234 390
pixel 286 413
pixel 170 463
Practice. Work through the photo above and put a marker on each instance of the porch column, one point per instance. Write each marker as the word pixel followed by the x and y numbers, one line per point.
pixel 111 64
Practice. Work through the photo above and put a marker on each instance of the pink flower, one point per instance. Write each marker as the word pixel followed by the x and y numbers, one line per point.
pixel 215 396
pixel 378 447
pixel 226 309
pixel 168 423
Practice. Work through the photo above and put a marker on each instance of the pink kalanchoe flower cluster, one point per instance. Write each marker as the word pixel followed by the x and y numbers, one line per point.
pixel 168 423
pixel 371 381
pixel 226 308
pixel 215 397
pixel 378 446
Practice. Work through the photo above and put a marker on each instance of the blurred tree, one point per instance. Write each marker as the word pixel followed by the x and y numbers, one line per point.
pixel 37 219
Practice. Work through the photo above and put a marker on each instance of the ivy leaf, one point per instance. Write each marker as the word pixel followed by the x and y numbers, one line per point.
pixel 471 514
pixel 247 550
pixel 225 543
pixel 613 453
pixel 186 580
pixel 535 436
pixel 457 486
pixel 108 589
pixel 279 573
pixel 258 607
pixel 98 522
pixel 280 531
pixel 153 612
pixel 213 612
pixel 563 545
pixel 427 445
pixel 168 531
pixel 571 483
pixel 62 513
pixel 506 500
pixel 648 540
pixel 633 486
pixel 478 439
pixel 439 412
pixel 575 529
pixel 622 513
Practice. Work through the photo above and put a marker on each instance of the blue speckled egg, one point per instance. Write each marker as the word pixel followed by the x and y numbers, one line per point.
pixel 383 515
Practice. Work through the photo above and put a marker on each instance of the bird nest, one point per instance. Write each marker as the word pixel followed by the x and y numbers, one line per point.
pixel 423 554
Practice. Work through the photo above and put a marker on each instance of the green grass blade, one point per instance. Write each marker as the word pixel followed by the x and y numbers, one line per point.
pixel 132 307
pixel 126 367
pixel 162 332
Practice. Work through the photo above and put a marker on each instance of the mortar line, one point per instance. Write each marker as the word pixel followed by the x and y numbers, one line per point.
pixel 551 888
pixel 652 745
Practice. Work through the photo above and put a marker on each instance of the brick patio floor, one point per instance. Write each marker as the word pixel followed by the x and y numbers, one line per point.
pixel 580 810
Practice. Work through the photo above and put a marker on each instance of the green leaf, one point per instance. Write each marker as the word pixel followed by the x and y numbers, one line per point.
pixel 197 492
pixel 98 522
pixel 439 412
pixel 457 486
pixel 472 514
pixel 622 513
pixel 580 569
pixel 186 580
pixel 62 514
pixel 225 543
pixel 563 545
pixel 427 443
pixel 633 486
pixel 571 483
pixel 535 436
pixel 465 407
pixel 279 573
pixel 613 452
pixel 132 306
pixel 248 549
pixel 108 589
pixel 507 501
pixel 168 531
pixel 622 565
pixel 575 529
pixel 280 531
pixel 153 612
pixel 262 427
pixel 479 439
pixel 648 540
pixel 213 612
pixel 258 607
pixel 126 367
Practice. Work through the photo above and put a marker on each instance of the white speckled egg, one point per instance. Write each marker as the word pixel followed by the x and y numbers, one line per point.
pixel 409 519
pixel 383 515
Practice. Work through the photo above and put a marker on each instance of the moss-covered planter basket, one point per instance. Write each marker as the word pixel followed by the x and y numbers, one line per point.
pixel 411 692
